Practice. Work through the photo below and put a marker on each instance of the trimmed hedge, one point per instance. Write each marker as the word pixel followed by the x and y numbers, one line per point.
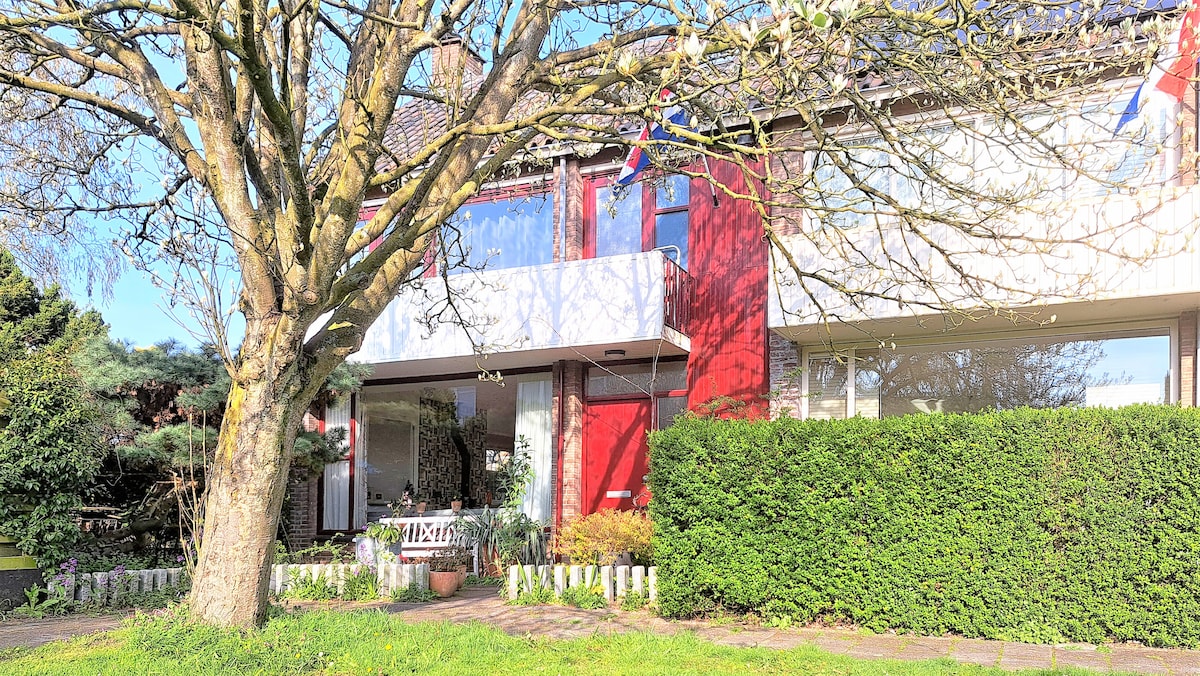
pixel 1031 525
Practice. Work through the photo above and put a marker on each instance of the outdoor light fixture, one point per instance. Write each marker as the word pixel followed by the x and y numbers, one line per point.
pixel 614 353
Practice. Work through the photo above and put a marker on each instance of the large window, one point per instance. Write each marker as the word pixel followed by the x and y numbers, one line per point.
pixel 649 215
pixel 504 232
pixel 1096 370
pixel 989 161
pixel 444 439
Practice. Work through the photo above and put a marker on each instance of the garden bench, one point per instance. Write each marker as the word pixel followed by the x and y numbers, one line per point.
pixel 423 536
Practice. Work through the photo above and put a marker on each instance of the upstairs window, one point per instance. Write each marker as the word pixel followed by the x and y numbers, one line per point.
pixel 503 232
pixel 862 180
pixel 649 215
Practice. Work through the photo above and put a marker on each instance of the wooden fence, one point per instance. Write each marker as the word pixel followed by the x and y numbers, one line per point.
pixel 614 581
pixel 107 588
pixel 390 575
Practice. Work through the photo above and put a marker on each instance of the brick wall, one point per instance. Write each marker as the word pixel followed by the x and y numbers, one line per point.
pixel 1187 358
pixel 300 511
pixel 574 228
pixel 784 362
pixel 300 517
pixel 572 446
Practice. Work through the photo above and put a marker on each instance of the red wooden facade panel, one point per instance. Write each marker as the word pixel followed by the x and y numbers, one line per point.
pixel 728 265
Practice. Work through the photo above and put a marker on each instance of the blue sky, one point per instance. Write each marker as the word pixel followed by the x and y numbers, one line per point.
pixel 135 312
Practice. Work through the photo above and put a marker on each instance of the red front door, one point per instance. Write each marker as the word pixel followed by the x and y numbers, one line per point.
pixel 615 453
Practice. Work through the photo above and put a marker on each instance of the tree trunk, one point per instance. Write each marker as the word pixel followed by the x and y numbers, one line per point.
pixel 245 494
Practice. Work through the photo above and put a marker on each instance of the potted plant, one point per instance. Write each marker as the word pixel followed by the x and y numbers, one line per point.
pixel 376 539
pixel 448 570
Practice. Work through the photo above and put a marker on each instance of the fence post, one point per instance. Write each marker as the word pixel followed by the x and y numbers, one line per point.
pixel 514 582
pixel 606 579
pixel 622 581
pixel 560 579
pixel 639 580
pixel 652 578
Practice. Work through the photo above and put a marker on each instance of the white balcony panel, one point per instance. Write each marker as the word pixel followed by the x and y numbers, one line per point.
pixel 1133 256
pixel 525 316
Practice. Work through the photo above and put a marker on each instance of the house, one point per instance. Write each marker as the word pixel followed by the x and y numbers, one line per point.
pixel 605 312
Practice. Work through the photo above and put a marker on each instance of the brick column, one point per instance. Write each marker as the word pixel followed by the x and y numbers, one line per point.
pixel 301 511
pixel 572 431
pixel 1187 358
pixel 574 225
pixel 784 365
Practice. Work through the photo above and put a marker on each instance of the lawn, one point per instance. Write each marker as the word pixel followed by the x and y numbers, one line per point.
pixel 373 642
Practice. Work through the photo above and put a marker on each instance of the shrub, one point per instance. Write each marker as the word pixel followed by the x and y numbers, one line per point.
pixel 1074 524
pixel 309 587
pixel 413 593
pixel 362 585
pixel 634 601
pixel 531 592
pixel 588 597
pixel 600 537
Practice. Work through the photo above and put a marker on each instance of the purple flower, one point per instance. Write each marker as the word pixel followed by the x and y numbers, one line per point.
pixel 179 559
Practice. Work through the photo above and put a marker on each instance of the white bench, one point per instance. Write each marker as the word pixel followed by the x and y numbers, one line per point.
pixel 423 536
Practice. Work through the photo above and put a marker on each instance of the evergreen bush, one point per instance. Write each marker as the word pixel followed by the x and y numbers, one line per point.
pixel 1034 525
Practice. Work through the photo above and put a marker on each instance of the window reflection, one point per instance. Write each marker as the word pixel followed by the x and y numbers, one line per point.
pixel 618 221
pixel 1052 373
pixel 504 233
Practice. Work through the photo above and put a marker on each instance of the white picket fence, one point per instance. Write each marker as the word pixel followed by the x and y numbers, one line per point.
pixel 614 581
pixel 390 575
pixel 105 588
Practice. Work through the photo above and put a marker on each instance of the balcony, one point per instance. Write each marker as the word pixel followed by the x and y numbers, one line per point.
pixel 1122 258
pixel 533 316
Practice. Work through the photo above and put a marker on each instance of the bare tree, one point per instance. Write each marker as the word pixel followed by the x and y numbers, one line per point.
pixel 265 124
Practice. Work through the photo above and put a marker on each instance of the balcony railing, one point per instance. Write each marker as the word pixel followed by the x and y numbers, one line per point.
pixel 557 309
pixel 677 296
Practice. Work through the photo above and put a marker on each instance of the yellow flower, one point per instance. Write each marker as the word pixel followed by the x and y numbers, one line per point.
pixel 387 647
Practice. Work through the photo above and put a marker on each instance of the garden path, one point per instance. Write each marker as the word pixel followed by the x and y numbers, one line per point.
pixel 33 632
pixel 484 605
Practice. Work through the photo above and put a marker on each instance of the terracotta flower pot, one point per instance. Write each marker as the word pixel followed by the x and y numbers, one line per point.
pixel 443 583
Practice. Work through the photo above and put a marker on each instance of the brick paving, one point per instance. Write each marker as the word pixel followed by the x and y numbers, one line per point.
pixel 482 604
pixel 16 633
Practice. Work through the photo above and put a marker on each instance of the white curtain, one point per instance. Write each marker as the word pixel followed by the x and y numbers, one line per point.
pixel 336 480
pixel 534 401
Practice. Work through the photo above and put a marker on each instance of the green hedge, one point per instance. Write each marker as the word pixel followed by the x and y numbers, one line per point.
pixel 1075 524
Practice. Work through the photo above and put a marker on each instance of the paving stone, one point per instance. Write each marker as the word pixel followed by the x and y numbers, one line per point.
pixel 976 651
pixel 877 645
pixel 1025 656
pixel 1137 660
pixel 30 633
pixel 1088 659
pixel 924 648
pixel 1181 662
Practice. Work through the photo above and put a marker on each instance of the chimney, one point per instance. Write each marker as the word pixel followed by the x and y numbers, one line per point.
pixel 455 63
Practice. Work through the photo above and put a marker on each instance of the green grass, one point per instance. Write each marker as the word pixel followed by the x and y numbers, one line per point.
pixel 372 642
